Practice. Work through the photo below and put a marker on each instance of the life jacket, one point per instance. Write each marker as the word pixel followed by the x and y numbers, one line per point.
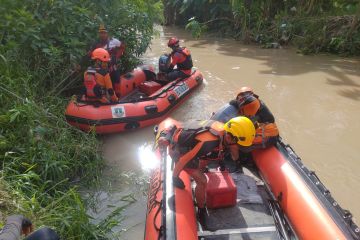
pixel 264 132
pixel 90 82
pixel 187 64
pixel 185 138
pixel 93 89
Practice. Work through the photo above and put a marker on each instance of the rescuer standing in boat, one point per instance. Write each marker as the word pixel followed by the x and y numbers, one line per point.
pixel 181 58
pixel 97 82
pixel 202 140
pixel 116 49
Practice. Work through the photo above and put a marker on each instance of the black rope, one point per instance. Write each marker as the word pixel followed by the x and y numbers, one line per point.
pixel 156 214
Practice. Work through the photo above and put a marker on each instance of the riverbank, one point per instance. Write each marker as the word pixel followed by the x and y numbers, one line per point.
pixel 311 26
pixel 43 160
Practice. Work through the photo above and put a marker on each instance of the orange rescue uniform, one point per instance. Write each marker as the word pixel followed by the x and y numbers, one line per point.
pixel 98 85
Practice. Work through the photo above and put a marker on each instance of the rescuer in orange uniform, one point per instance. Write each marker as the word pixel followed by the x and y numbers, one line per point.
pixel 204 140
pixel 97 80
pixel 249 105
pixel 181 58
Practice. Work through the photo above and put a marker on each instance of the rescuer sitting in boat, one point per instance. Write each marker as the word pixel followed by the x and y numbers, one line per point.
pixel 116 49
pixel 204 140
pixel 181 58
pixel 97 82
pixel 249 105
pixel 17 225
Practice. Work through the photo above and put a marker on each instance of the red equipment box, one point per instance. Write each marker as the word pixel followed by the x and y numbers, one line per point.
pixel 221 190
pixel 149 87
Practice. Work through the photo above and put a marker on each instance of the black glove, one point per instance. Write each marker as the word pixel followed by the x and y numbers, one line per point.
pixel 26 223
pixel 234 103
pixel 15 226
pixel 222 166
pixel 177 182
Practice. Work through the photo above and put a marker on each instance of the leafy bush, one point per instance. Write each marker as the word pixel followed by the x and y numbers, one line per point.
pixel 262 21
pixel 42 158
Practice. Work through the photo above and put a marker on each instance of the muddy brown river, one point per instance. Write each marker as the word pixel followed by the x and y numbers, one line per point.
pixel 315 100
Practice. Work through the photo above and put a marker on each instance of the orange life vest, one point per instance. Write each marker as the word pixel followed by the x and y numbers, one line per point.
pixel 98 85
pixel 186 135
pixel 265 131
pixel 187 63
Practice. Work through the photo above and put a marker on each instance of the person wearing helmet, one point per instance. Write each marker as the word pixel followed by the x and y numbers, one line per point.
pixel 97 82
pixel 116 49
pixel 193 144
pixel 249 105
pixel 181 58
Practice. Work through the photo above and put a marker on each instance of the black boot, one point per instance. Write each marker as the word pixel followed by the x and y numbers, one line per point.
pixel 222 166
pixel 202 214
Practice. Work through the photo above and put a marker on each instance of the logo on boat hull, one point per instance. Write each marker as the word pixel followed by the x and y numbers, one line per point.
pixel 181 89
pixel 118 112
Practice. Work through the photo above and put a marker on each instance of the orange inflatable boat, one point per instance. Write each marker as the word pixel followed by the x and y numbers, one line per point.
pixel 277 197
pixel 143 102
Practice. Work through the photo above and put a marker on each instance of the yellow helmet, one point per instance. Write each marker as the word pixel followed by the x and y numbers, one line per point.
pixel 242 128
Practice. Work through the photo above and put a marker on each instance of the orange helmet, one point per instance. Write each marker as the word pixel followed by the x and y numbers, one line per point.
pixel 173 42
pixel 100 54
pixel 245 90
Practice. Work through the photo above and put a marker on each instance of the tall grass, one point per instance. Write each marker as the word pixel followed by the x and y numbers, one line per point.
pixel 313 26
pixel 43 160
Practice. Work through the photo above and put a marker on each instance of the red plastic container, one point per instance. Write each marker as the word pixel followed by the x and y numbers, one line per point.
pixel 149 87
pixel 221 190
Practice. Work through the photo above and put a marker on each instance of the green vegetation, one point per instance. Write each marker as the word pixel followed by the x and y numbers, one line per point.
pixel 314 26
pixel 42 159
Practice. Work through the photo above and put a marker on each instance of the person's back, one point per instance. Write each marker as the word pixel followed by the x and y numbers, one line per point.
pixel 181 58
pixel 198 137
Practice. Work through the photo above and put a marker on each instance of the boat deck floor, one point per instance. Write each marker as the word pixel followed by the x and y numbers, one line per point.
pixel 249 219
pixel 133 96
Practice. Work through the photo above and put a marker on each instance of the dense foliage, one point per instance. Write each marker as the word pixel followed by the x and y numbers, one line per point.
pixel 41 157
pixel 314 26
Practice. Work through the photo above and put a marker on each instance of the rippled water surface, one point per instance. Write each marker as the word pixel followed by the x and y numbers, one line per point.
pixel 315 99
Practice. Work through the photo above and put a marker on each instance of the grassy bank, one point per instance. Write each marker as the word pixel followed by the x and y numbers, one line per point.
pixel 313 26
pixel 42 159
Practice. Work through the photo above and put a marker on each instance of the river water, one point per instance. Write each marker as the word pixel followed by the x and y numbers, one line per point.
pixel 315 100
